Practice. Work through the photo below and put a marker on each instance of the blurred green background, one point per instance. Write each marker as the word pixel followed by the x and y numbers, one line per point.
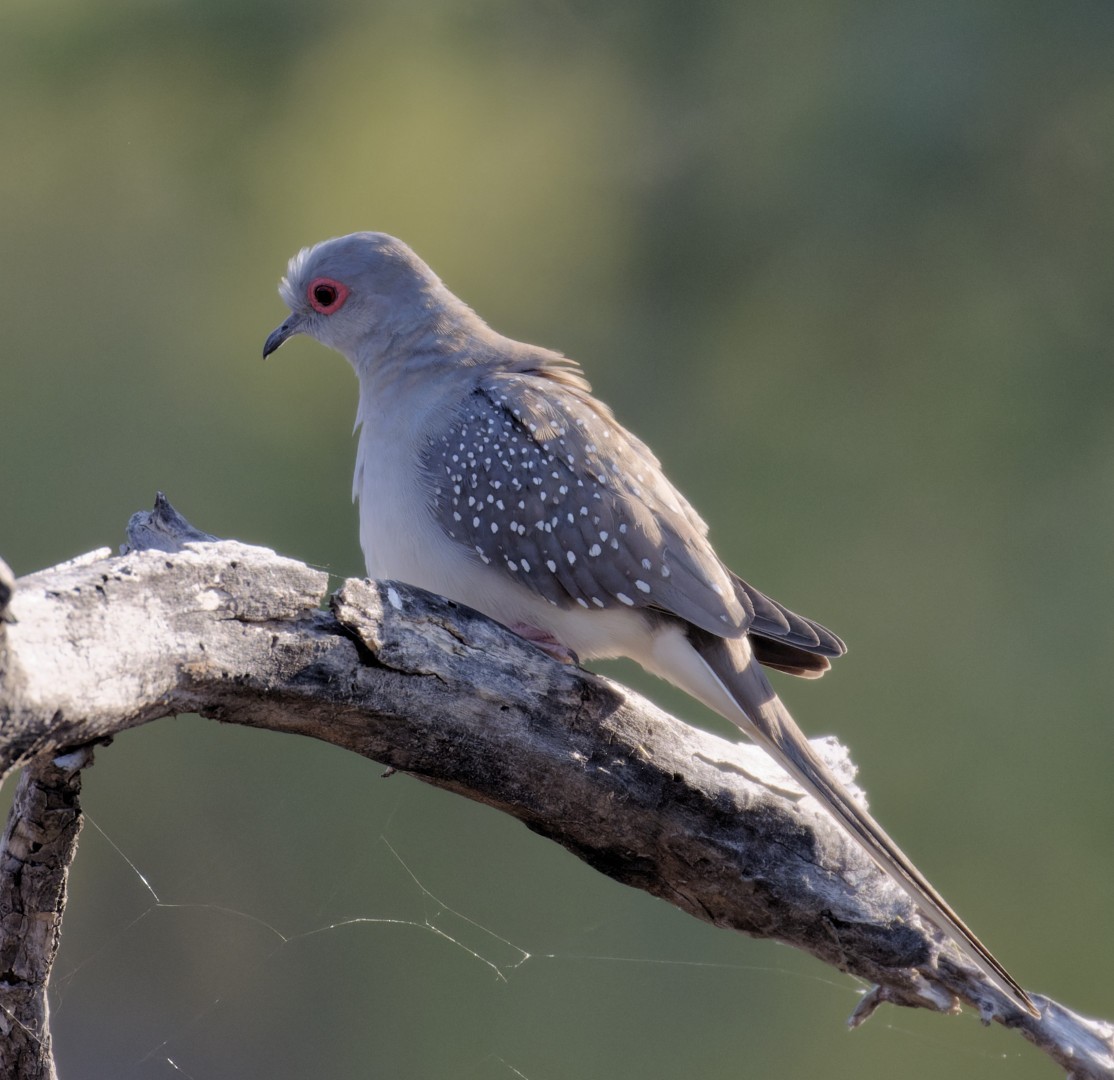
pixel 846 266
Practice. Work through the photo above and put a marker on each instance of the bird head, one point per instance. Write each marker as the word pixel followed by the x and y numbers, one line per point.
pixel 357 293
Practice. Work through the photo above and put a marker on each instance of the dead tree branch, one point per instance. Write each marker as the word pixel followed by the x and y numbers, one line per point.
pixel 98 645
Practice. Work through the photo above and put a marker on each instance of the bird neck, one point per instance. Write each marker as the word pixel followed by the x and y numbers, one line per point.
pixel 433 332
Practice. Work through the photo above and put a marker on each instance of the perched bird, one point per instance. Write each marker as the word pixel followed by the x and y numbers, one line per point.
pixel 488 473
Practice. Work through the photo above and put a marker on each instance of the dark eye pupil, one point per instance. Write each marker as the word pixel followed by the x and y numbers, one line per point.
pixel 325 295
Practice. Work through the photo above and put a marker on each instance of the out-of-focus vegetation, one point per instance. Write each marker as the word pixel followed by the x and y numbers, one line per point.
pixel 847 267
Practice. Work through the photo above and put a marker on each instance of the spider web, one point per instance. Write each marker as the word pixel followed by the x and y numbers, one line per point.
pixel 249 905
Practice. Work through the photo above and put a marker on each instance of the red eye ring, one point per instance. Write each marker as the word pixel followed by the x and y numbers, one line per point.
pixel 326 295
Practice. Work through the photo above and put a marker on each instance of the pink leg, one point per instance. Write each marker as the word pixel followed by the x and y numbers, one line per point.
pixel 545 641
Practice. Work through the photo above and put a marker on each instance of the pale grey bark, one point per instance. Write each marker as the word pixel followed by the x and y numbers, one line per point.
pixel 101 644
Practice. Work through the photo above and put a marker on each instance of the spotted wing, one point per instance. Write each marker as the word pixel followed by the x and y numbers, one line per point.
pixel 537 478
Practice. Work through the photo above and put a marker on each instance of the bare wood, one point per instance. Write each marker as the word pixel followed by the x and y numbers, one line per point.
pixel 7 584
pixel 434 689
pixel 38 846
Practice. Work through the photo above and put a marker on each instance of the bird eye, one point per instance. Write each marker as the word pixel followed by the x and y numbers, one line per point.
pixel 326 295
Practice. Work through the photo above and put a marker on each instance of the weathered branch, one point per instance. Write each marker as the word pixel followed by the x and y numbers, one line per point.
pixel 426 686
pixel 38 846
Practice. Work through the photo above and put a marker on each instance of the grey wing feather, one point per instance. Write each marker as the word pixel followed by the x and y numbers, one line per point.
pixel 543 482
pixel 774 620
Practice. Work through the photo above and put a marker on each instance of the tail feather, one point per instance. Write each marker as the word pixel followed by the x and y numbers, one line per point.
pixel 766 720
pixel 782 656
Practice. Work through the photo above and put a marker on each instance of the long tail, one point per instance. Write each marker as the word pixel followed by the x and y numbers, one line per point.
pixel 763 717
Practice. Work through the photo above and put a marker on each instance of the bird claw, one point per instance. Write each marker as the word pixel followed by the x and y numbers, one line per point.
pixel 542 639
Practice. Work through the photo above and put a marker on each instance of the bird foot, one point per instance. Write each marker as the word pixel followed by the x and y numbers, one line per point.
pixel 545 641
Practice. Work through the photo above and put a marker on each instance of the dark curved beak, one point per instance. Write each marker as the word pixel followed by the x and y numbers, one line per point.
pixel 292 326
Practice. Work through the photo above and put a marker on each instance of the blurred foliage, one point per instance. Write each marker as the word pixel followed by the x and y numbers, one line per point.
pixel 846 266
